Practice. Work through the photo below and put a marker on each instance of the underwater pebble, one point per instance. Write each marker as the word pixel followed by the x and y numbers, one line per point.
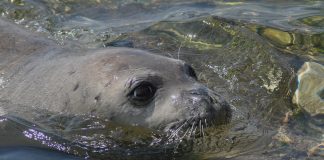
pixel 317 150
pixel 310 92
pixel 282 136
pixel 278 36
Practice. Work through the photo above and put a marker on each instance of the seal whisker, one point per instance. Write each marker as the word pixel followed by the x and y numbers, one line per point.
pixel 192 127
pixel 203 132
pixel 212 123
pixel 171 136
pixel 184 134
pixel 175 132
pixel 200 127
pixel 182 125
pixel 195 129
pixel 189 130
pixel 206 123
pixel 180 140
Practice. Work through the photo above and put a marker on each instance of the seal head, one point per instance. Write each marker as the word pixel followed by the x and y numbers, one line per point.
pixel 153 91
pixel 124 85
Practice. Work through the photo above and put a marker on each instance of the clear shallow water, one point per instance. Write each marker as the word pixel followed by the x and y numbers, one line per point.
pixel 248 51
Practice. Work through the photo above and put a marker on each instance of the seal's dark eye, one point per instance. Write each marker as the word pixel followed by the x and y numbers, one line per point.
pixel 142 93
pixel 190 71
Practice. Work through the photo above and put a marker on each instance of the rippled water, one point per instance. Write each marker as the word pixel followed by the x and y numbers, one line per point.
pixel 248 51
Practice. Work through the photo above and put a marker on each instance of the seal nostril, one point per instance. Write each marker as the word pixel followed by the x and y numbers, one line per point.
pixel 193 93
pixel 211 100
pixel 98 97
pixel 76 87
pixel 190 71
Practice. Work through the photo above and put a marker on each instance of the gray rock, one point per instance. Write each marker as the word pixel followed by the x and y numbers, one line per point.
pixel 310 92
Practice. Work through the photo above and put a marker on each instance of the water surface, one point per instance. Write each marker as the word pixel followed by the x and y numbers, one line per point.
pixel 249 51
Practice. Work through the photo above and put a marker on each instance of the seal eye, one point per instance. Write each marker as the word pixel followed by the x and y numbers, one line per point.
pixel 142 93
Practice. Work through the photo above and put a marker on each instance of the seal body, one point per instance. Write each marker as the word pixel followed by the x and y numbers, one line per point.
pixel 124 85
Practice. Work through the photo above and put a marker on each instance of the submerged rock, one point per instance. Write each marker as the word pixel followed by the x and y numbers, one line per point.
pixel 277 36
pixel 317 150
pixel 310 92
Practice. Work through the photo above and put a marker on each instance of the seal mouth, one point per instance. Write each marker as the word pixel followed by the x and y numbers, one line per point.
pixel 215 112
pixel 186 129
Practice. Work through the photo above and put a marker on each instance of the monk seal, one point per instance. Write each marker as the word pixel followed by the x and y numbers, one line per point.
pixel 125 85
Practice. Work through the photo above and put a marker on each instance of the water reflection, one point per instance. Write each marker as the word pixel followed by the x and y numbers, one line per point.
pixel 39 136
pixel 313 21
pixel 294 42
